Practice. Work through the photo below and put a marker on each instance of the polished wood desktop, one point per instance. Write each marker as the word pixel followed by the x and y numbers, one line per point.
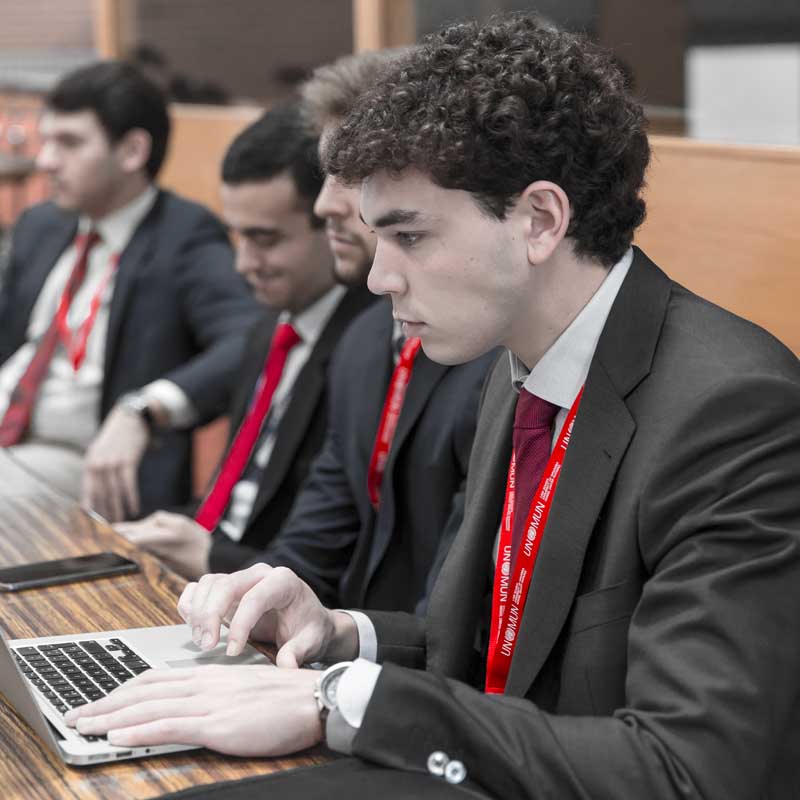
pixel 38 524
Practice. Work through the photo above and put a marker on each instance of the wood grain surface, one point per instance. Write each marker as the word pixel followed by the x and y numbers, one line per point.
pixel 38 524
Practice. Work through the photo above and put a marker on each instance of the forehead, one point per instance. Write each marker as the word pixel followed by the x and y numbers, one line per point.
pixel 412 191
pixel 271 202
pixel 80 124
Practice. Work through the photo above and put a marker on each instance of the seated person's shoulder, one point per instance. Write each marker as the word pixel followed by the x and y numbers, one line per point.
pixel 189 217
pixel 718 345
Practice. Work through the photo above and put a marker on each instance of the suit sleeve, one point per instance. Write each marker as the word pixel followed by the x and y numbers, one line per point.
pixel 218 310
pixel 318 538
pixel 713 662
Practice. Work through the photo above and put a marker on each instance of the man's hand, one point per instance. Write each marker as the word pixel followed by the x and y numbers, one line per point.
pixel 110 481
pixel 239 710
pixel 177 540
pixel 269 605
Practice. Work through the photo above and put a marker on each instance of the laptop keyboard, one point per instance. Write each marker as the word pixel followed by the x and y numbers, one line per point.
pixel 71 674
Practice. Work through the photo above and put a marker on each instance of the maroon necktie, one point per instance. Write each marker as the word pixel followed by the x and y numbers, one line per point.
pixel 533 434
pixel 17 418
pixel 212 508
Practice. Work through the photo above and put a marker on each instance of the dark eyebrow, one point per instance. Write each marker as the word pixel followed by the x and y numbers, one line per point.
pixel 397 217
pixel 252 231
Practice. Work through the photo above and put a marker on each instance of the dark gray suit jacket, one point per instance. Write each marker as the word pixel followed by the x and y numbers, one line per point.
pixel 658 655
pixel 300 433
pixel 333 539
pixel 179 311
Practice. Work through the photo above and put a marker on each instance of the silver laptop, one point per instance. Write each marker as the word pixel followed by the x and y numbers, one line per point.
pixel 43 678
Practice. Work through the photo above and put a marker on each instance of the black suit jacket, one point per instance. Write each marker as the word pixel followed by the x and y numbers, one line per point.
pixel 179 311
pixel 658 654
pixel 333 538
pixel 299 436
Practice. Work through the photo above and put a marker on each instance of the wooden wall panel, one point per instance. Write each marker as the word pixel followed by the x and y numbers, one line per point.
pixel 723 221
pixel 200 137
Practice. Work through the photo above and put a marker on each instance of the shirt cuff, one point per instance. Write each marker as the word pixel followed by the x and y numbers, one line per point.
pixel 352 698
pixel 180 409
pixel 367 636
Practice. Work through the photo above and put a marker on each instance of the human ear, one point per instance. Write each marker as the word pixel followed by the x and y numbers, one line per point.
pixel 133 150
pixel 546 210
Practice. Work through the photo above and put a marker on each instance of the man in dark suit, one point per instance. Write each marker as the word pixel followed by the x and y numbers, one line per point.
pixel 120 315
pixel 617 615
pixel 270 180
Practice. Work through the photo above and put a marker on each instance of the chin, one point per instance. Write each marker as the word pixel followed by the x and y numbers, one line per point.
pixel 449 356
pixel 350 273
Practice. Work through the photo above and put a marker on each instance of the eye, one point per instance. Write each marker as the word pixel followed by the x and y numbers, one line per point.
pixel 407 238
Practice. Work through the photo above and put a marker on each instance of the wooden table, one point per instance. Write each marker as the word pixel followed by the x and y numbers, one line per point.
pixel 37 524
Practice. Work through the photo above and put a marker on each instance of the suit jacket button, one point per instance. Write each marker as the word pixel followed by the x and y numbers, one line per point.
pixel 437 762
pixel 455 772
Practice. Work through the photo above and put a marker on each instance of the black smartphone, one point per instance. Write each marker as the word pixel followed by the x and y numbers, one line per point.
pixel 64 570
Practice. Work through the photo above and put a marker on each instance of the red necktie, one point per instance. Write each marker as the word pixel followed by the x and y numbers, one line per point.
pixel 532 438
pixel 212 508
pixel 390 416
pixel 20 407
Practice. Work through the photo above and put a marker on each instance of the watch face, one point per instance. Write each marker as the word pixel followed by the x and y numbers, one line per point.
pixel 329 689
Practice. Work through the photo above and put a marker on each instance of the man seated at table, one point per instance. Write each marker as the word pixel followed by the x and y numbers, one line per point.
pixel 121 317
pixel 632 516
pixel 270 180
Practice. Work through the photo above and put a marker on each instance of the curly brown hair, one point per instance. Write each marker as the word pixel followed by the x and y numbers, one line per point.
pixel 489 109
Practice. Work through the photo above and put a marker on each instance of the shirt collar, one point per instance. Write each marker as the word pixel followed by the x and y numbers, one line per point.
pixel 310 321
pixel 562 370
pixel 116 229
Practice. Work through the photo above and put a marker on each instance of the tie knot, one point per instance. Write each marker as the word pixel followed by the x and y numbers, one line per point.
pixel 533 411
pixel 285 337
pixel 86 241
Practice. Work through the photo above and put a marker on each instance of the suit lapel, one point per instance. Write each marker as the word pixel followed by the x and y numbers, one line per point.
pixel 308 388
pixel 600 437
pixel 602 432
pixel 425 376
pixel 52 246
pixel 129 270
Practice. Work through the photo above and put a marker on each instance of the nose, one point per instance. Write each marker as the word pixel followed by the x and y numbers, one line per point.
pixel 47 157
pixel 331 201
pixel 248 258
pixel 386 276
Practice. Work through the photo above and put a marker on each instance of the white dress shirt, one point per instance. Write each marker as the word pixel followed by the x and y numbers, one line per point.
pixel 68 401
pixel 309 325
pixel 557 377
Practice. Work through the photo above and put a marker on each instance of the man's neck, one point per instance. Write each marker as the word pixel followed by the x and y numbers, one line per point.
pixel 559 291
pixel 126 193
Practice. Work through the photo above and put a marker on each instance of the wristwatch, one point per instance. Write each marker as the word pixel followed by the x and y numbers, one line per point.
pixel 325 691
pixel 137 403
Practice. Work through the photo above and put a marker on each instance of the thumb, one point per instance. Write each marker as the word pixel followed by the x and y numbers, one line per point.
pixel 296 651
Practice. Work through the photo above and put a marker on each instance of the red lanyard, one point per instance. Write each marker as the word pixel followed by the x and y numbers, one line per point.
pixel 389 418
pixel 506 615
pixel 76 341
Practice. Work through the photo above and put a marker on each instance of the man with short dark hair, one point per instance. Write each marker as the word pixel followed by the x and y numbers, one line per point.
pixel 270 180
pixel 121 318
pixel 617 615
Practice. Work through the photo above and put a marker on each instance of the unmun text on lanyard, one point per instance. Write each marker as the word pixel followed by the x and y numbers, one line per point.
pixel 75 341
pixel 507 610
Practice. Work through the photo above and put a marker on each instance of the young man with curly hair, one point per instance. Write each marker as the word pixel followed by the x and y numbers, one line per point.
pixel 616 616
